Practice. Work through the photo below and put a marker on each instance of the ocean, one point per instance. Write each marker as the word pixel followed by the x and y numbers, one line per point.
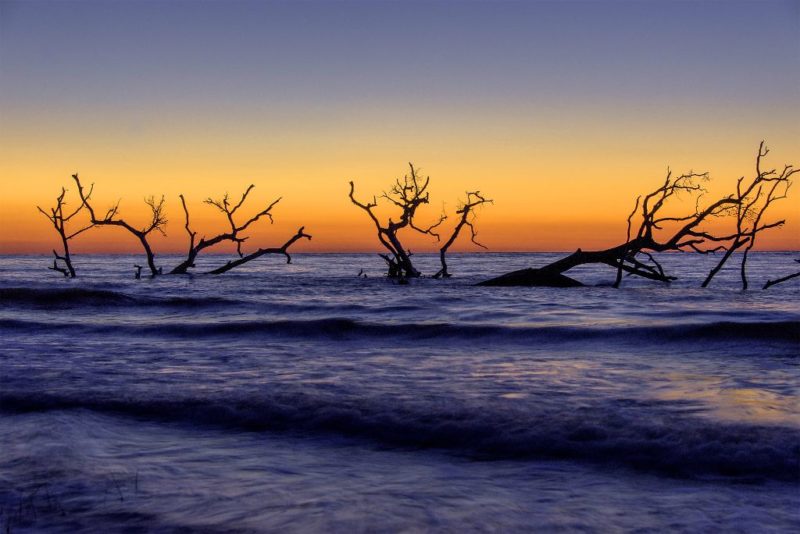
pixel 303 398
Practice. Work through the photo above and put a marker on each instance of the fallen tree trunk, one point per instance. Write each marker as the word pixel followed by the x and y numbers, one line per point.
pixel 263 251
pixel 669 233
pixel 552 275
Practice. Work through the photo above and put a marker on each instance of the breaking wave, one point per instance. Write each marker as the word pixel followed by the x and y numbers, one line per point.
pixel 347 328
pixel 674 445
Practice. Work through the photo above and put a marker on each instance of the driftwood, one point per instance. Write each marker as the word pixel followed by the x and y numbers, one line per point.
pixel 59 220
pixel 157 222
pixel 229 209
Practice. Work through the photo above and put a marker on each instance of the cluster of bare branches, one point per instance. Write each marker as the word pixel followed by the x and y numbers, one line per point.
pixel 59 220
pixel 660 231
pixel 653 226
pixel 751 203
pixel 157 222
pixel 407 194
pixel 467 213
pixel 234 235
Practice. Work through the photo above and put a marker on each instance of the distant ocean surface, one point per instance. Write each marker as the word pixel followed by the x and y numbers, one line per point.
pixel 300 397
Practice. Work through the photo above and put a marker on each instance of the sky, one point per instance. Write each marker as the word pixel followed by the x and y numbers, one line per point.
pixel 561 112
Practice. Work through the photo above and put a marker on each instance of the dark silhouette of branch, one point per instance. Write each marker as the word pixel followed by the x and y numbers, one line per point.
pixel 752 202
pixel 685 233
pixel 157 222
pixel 625 253
pixel 407 194
pixel 225 206
pixel 59 220
pixel 771 283
pixel 467 212
pixel 656 233
pixel 262 251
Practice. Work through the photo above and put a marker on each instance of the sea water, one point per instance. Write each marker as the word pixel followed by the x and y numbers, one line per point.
pixel 303 397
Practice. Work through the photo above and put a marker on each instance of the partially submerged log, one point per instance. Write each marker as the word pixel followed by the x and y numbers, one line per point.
pixel 533 277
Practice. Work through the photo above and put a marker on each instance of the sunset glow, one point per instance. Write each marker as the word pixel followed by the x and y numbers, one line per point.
pixel 562 113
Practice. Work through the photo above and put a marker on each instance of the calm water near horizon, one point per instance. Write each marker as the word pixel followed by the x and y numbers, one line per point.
pixel 303 398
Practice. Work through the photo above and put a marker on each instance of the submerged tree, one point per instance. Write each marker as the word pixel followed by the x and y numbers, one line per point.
pixel 408 194
pixel 111 218
pixel 659 232
pixel 467 218
pixel 229 209
pixel 158 223
pixel 59 220
pixel 752 201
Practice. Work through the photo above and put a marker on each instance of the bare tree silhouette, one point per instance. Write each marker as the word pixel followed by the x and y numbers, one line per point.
pixel 771 283
pixel 59 220
pixel 752 202
pixel 408 194
pixel 684 233
pixel 635 257
pixel 467 212
pixel 284 249
pixel 226 206
pixel 157 222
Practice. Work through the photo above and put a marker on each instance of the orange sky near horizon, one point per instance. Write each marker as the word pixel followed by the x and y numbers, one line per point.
pixel 543 201
pixel 562 113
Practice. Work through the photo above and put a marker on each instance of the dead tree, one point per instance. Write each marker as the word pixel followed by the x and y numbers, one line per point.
pixel 467 218
pixel 663 233
pixel 157 222
pixel 263 251
pixel 407 194
pixel 225 206
pixel 752 202
pixel 59 220
pixel 771 283
pixel 657 232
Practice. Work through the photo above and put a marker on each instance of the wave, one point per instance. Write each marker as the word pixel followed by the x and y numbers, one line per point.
pixel 44 297
pixel 76 297
pixel 657 441
pixel 84 297
pixel 342 328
